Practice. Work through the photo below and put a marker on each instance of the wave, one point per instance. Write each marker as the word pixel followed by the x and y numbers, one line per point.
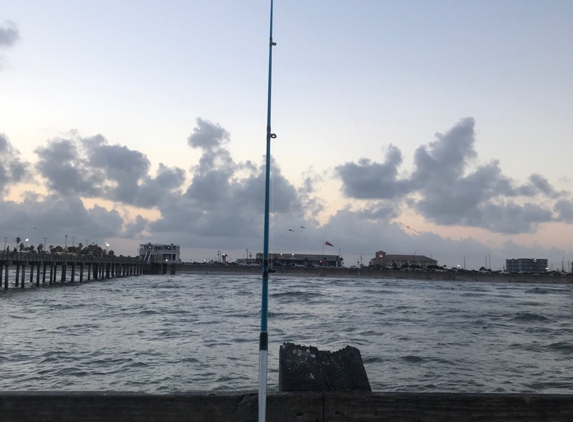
pixel 529 317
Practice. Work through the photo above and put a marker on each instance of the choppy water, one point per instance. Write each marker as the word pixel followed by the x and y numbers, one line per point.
pixel 200 332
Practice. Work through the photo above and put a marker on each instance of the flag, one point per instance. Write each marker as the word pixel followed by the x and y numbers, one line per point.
pixel 328 243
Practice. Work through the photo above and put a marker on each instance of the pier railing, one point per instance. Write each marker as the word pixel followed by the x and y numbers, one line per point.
pixel 282 407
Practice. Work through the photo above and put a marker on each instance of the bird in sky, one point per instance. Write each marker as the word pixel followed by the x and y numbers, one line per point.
pixel 412 229
pixel 290 230
pixel 302 227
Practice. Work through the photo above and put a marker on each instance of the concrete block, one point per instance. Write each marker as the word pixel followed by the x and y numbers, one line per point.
pixel 303 368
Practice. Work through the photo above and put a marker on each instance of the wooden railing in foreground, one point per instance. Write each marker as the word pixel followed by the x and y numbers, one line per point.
pixel 282 407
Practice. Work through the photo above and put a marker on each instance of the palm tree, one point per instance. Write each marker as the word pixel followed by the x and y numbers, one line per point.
pixel 18 240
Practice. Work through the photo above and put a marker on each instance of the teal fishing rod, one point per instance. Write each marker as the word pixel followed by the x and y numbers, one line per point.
pixel 264 336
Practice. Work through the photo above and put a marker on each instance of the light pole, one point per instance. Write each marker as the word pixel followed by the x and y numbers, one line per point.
pixel 66 243
pixel 106 245
pixel 26 243
pixel 73 241
pixel 45 238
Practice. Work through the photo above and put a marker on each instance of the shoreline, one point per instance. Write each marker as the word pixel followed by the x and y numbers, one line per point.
pixel 466 276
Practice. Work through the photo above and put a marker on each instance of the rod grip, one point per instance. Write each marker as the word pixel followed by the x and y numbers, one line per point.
pixel 264 341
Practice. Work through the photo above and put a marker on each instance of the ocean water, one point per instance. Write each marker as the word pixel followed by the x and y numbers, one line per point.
pixel 187 332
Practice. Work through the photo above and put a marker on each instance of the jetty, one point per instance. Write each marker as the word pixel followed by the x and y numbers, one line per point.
pixel 44 268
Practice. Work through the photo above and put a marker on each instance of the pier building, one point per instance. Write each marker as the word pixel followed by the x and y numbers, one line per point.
pixel 159 253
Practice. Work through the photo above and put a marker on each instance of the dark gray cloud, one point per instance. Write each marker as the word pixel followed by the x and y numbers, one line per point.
pixel 564 210
pixel 54 217
pixel 381 210
pixel 207 135
pixel 447 188
pixel 225 200
pixel 370 180
pixel 92 168
pixel 12 169
pixel 66 172
pixel 8 34
pixel 134 229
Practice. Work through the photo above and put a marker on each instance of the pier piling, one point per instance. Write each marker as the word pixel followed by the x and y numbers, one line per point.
pixel 46 265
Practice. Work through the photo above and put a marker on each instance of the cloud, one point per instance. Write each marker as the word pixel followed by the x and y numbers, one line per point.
pixel 8 34
pixel 207 135
pixel 12 169
pixel 92 168
pixel 135 228
pixel 54 216
pixel 564 210
pixel 368 180
pixel 447 187
pixel 66 172
pixel 225 199
pixel 218 203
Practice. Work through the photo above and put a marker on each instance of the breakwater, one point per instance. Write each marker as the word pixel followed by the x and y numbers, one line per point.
pixel 44 268
pixel 283 407
pixel 332 272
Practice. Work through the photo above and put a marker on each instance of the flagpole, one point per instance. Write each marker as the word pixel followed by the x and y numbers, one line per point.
pixel 264 336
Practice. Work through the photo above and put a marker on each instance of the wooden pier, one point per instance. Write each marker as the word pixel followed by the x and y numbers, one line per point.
pixel 42 268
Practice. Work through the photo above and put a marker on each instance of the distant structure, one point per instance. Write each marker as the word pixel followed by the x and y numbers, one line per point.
pixel 297 259
pixel 382 259
pixel 156 253
pixel 526 265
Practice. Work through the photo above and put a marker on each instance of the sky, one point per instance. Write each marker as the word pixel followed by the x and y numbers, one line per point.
pixel 436 128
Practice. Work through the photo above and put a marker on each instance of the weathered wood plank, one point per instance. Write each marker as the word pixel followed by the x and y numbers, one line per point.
pixel 442 407
pixel 136 407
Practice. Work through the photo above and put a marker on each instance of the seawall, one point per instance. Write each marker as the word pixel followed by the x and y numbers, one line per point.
pixel 378 274
pixel 282 407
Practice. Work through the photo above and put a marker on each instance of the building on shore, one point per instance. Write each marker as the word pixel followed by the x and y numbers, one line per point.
pixel 526 265
pixel 304 260
pixel 382 259
pixel 156 253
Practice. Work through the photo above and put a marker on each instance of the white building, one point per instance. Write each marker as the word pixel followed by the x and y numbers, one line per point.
pixel 156 253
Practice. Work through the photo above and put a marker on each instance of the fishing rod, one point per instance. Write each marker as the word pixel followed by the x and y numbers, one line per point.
pixel 264 336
